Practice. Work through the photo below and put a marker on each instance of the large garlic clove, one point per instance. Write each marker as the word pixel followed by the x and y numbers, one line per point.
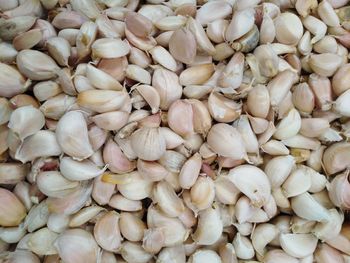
pixel 185 55
pixel 102 191
pixel 335 157
pixel 278 255
pixel 298 245
pixel 278 169
pixel 77 246
pixel 12 81
pixel 42 241
pixel 235 29
pixel 202 193
pixel 288 126
pixel 70 124
pixel 330 229
pixel 131 227
pixel 133 252
pixel 253 182
pixel 180 118
pixel 190 171
pixel 262 235
pixel 339 191
pixel 13 211
pixel 289 28
pixel 298 182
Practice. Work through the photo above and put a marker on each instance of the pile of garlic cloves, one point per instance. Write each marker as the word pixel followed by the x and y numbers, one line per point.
pixel 179 131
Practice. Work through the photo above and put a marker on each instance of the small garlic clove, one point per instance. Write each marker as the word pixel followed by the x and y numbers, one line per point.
pixel 279 86
pixel 180 117
pixel 235 29
pixel 321 86
pixel 205 15
pixel 278 169
pixel 339 191
pixel 303 98
pixel 152 171
pixel 180 36
pixel 22 256
pixel 305 206
pixel 12 81
pixel 258 101
pixel 138 24
pixel 203 42
pixel 298 245
pixel 11 27
pixel 328 14
pixel 109 48
pixel 57 222
pixel 202 193
pixel 196 75
pixel 209 228
pixel 274 147
pixel 13 210
pixel 232 75
pixel 111 121
pixel 330 229
pixel 77 245
pixel 84 215
pixel 302 142
pixel 102 191
pixel 335 157
pixel 289 126
pixel 163 57
pixel 223 109
pixel 133 252
pixel 114 66
pixel 27 39
pixel 107 231
pixel 267 60
pixel 153 241
pixel 243 247
pixel 190 171
pixel 250 141
pixel 267 30
pixel 262 235
pixel 136 187
pixel 254 184
pixel 131 227
pixel 315 26
pixel 325 253
pixel 138 74
pixel 85 38
pixel 216 30
pixel 102 80
pixel 121 203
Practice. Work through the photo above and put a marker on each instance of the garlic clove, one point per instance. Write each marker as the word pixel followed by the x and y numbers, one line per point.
pixel 180 36
pixel 205 15
pixel 274 147
pixel 298 182
pixel 203 42
pixel 335 157
pixel 298 245
pixel 109 48
pixel 288 126
pixel 190 171
pixel 289 28
pixel 242 17
pixel 279 86
pixel 136 187
pixel 339 190
pixel 102 191
pixel 42 241
pixel 278 169
pixel 138 24
pixel 102 80
pixel 243 247
pixel 330 229
pixel 302 142
pixel 196 75
pixel 133 252
pixel 262 235
pixel 278 255
pixel 325 64
pixel 121 203
pixel 13 210
pixel 84 215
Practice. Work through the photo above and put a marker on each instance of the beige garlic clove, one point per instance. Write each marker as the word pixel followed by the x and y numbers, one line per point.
pixel 278 255
pixel 180 36
pixel 321 86
pixel 42 241
pixel 259 125
pixel 328 14
pixel 26 121
pixel 315 26
pixel 325 253
pixel 303 98
pixel 249 138
pixel 190 171
pixel 114 66
pixel 209 228
pixel 97 137
pixel 274 147
pixel 258 189
pixel 85 38
pixel 289 28
pixel 196 75
pixel 170 23
pixel 144 44
pixel 205 256
pixel 109 48
pixel 341 104
pixel 13 26
pixel 111 121
pixel 279 86
pixel 305 45
pixel 41 144
pixel 330 229
pixel 13 210
pixel 205 15
pixel 87 8
pixel 163 57
pixel 22 256
pixel 79 171
pixel 235 29
pixel 102 191
pixel 138 74
pixel 102 80
pixel 328 44
pixel 36 65
pixel 335 157
pixel 302 142
pixel 232 75
pixel 223 109
pixel 84 215
pixel 339 80
pixel 77 147
pixel 151 170
pixel 77 245
pixel 288 126
pixel 172 161
pixel 216 30
pixel 12 82
pixel 133 252
pixel 339 191
pixel 258 101
pixel 305 206
pixel 298 182
pixel 325 64
pixel 12 173
pixel 163 39
pixel 298 245
pixel 106 27
pixel 278 169
pixel 180 117
pixel 201 37
pixel 131 227
pixel 136 187
pixel 313 127
pixel 107 231
pixel 267 30
pixel 150 95
pixel 225 133
pixel 202 193
pixel 121 203
pixel 46 89
pixel 262 235
pixel 27 39
pixel 138 24
pixel 55 107
pixel 60 49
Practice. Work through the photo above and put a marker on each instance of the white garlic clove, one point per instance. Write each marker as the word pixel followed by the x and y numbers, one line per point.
pixel 298 245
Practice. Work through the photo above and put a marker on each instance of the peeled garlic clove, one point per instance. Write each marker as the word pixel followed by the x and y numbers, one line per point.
pixel 243 247
pixel 209 228
pixel 330 229
pixel 165 196
pixel 13 210
pixel 335 157
pixel 77 246
pixel 136 187
pixel 298 245
pixel 289 28
pixel 305 206
pixel 262 235
pixel 180 36
pixel 325 64
pixel 253 182
pixel 26 121
pixel 109 48
pixel 298 182
pixel 68 126
pixel 328 14
pixel 36 65
pixel 235 29
pixel 190 171
pixel 107 232
pixel 41 144
pixel 274 147
pixel 222 132
pixel 288 126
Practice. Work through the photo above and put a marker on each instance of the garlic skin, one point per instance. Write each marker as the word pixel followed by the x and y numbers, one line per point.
pixel 68 126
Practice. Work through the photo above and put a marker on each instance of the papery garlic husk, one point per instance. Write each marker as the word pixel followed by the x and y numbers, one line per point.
pixel 166 198
pixel 13 210
pixel 279 86
pixel 278 168
pixel 53 184
pixel 41 144
pixel 335 157
pixel 109 48
pixel 136 187
pixel 258 189
pixel 339 191
pixel 235 29
pixel 68 126
pixel 107 232
pixel 325 64
pixel 298 182
pixel 274 147
pixel 77 245
pixel 148 143
pixel 303 98
pixel 12 82
pixel 289 28
pixel 79 171
pixel 138 24
pixel 209 227
pixel 42 241
pixel 203 42
pixel 243 247
pixel 120 202
pixel 316 27
pixel 298 245
pixel 330 229
pixel 262 235
pixel 204 256
pixel 223 109
pixel 133 252
pixel 11 27
pixel 278 255
pixel 103 100
pixel 26 121
pixel 102 80
pixel 131 227
pixel 202 193
pixel 305 206
pixel 190 171
pixel 36 65
pixel 222 132
pixel 288 126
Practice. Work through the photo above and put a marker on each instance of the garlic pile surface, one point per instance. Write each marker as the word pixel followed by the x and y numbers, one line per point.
pixel 174 131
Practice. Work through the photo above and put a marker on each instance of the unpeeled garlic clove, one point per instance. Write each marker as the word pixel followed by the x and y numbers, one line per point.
pixel 279 86
pixel 243 247
pixel 183 35
pixel 190 171
pixel 138 24
pixel 289 126
pixel 17 25
pixel 77 245
pixel 267 60
pixel 235 29
pixel 222 132
pixel 321 86
pixel 133 252
pixel 196 75
pixel 289 28
pixel 84 215
pixel 335 157
pixel 315 26
pixel 202 193
pixel 102 191
pixel 57 222
pixel 223 109
pixel 303 98
pixel 153 241
pixel 267 30
pixel 205 256
pixel 249 138
pixel 278 255
pixel 258 190
pixel 181 125
pixel 109 48
pixel 328 14
pixel 107 232
pixel 201 37
pixel 111 121
pixel 278 169
pixel 136 187
pixel 274 147
pixel 313 127
pixel 102 80
pixel 325 253
pixel 298 182
pixel 114 66
pixel 13 210
pixel 67 127
pixel 27 39
pixel 339 191
pixel 325 64
pixel 258 101
pixel 205 15
pixel 41 144
pixel 262 235
pixel 22 256
pixel 131 227
pixel 12 81
pixel 232 75
pixel 330 229
pixel 209 228
pixel 42 241
pixel 341 104
pixel 121 203
pixel 298 245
